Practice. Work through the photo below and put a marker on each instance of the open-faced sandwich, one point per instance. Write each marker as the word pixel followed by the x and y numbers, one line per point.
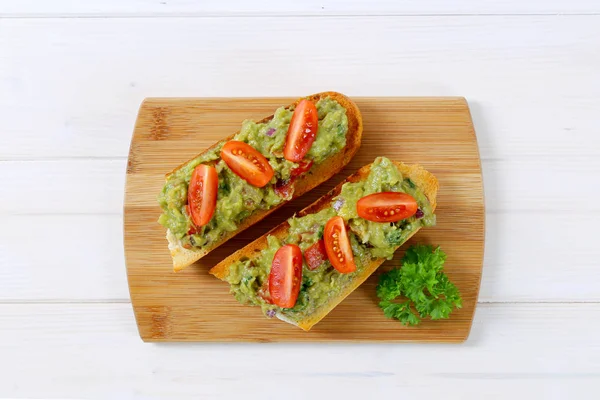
pixel 303 268
pixel 245 177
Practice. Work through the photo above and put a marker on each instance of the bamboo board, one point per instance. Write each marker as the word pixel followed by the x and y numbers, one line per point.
pixel 194 306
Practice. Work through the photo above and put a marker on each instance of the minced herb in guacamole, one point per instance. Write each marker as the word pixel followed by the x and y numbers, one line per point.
pixel 368 239
pixel 237 199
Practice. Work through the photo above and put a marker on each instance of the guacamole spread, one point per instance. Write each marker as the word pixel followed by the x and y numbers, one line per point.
pixel 249 277
pixel 236 198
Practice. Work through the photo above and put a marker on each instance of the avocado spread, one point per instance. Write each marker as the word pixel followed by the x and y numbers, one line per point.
pixel 249 277
pixel 236 198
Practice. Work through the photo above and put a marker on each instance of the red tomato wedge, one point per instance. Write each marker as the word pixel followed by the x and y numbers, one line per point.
pixel 315 255
pixel 337 245
pixel 303 166
pixel 263 292
pixel 247 163
pixel 284 188
pixel 285 277
pixel 202 194
pixel 302 131
pixel 192 230
pixel 386 207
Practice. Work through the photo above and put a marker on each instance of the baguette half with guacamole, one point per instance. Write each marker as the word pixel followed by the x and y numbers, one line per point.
pixel 245 177
pixel 303 268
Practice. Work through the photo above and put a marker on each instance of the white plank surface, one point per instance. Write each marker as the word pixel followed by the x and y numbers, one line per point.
pixel 72 76
pixel 172 8
pixel 76 258
pixel 546 351
pixel 533 92
pixel 63 186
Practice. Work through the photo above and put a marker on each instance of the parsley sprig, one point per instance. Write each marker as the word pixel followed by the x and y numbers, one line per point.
pixel 426 289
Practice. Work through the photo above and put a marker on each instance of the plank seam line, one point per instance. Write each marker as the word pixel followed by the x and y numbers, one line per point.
pixel 63 158
pixel 541 302
pixel 64 301
pixel 71 214
pixel 488 211
pixel 308 15
pixel 127 301
pixel 516 157
pixel 519 157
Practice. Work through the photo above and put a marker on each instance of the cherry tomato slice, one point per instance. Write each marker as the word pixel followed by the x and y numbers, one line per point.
pixel 285 277
pixel 386 207
pixel 302 131
pixel 247 163
pixel 315 255
pixel 337 245
pixel 202 194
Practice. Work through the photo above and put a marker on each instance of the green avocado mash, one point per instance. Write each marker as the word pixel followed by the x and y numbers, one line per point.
pixel 237 199
pixel 368 239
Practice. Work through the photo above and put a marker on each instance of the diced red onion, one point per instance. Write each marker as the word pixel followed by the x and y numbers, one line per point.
pixel 338 204
pixel 419 214
pixel 270 132
pixel 271 313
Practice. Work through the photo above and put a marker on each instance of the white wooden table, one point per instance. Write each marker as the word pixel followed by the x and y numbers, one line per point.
pixel 72 75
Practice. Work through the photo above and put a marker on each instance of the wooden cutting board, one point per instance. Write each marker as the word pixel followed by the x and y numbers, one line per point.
pixel 194 306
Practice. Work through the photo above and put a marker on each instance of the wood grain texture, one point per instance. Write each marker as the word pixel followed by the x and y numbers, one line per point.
pixel 193 306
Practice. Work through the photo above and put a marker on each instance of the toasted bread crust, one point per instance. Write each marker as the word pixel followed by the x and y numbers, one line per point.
pixel 318 174
pixel 424 180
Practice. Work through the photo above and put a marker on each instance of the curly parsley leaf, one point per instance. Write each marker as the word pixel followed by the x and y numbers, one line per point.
pixel 400 311
pixel 388 288
pixel 423 283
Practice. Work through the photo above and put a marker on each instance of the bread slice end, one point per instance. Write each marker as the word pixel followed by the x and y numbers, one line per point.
pixel 182 257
